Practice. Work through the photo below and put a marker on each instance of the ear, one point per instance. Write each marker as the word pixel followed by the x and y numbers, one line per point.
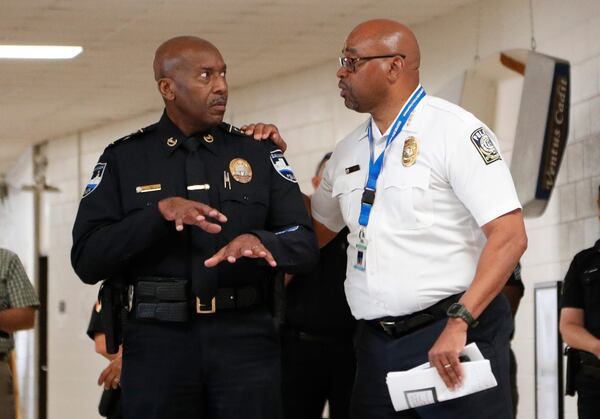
pixel 166 87
pixel 396 68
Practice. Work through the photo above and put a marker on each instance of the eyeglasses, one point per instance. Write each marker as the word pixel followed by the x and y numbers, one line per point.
pixel 349 63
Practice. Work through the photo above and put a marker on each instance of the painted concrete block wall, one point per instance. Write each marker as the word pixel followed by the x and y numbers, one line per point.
pixel 307 108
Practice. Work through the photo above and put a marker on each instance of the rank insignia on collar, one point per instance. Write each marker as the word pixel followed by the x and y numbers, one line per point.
pixel 209 138
pixel 172 142
pixel 241 170
pixel 485 146
pixel 410 151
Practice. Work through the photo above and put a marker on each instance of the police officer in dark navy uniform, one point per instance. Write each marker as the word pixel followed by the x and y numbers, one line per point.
pixel 318 353
pixel 580 328
pixel 193 216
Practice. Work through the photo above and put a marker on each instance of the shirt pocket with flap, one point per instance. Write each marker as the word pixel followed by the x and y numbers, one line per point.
pixel 245 210
pixel 348 189
pixel 408 200
pixel 143 194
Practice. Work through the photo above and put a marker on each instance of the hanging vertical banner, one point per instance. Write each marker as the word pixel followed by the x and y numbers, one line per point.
pixel 542 130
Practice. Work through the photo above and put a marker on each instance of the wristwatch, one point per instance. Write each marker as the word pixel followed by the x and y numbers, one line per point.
pixel 457 310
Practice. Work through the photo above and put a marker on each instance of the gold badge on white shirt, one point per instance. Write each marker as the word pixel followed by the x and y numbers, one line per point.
pixel 410 151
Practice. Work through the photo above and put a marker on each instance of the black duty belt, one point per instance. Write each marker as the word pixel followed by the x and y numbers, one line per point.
pixel 404 325
pixel 169 299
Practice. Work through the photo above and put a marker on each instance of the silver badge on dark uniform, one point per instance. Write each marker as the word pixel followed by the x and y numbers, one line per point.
pixel 485 146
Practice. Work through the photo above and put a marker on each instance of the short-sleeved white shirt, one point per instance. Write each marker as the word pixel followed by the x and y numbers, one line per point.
pixel 424 236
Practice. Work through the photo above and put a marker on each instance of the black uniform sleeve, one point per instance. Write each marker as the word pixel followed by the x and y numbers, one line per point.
pixel 104 238
pixel 289 235
pixel 572 291
pixel 95 325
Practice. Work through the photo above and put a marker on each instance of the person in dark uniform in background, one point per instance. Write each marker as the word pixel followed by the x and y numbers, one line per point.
pixel 514 290
pixel 580 326
pixel 318 354
pixel 167 205
pixel 110 403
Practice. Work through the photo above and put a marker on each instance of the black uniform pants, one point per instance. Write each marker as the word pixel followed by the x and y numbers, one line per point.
pixel 315 371
pixel 219 366
pixel 377 354
pixel 588 396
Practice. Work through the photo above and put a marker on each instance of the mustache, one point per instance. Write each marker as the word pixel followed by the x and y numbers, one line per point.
pixel 343 85
pixel 219 100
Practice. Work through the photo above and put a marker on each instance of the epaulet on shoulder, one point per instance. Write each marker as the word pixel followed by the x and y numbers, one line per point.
pixel 231 129
pixel 133 135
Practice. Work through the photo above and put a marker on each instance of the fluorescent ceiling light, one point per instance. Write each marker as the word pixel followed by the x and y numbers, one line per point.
pixel 44 52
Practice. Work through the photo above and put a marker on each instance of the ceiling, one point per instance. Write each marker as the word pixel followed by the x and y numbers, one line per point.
pixel 112 79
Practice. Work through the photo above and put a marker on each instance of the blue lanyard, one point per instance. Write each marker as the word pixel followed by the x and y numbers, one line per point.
pixel 368 196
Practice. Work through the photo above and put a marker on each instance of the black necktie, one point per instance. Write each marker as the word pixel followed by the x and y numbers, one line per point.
pixel 204 280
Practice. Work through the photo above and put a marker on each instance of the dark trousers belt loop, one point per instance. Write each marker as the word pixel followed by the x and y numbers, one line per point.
pixel 403 325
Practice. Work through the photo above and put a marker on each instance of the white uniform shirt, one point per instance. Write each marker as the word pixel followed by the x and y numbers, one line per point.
pixel 424 236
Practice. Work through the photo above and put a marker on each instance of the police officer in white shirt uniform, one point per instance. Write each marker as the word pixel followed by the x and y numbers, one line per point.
pixel 435 228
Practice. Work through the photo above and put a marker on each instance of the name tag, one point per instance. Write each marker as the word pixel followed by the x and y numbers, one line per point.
pixel 148 188
pixel 352 169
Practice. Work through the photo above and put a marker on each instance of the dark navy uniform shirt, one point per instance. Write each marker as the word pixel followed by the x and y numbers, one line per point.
pixel 316 302
pixel 120 231
pixel 581 288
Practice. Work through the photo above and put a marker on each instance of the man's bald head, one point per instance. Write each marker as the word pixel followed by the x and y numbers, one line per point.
pixel 171 54
pixel 387 37
pixel 380 69
pixel 191 78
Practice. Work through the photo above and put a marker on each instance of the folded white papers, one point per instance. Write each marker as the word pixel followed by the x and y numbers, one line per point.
pixel 422 385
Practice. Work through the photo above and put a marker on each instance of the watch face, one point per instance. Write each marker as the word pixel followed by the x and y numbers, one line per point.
pixel 454 309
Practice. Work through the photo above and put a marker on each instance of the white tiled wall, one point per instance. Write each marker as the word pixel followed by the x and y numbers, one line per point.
pixel 308 110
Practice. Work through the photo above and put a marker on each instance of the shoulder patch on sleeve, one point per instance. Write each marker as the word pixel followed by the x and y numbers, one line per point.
pixel 485 146
pixel 95 179
pixel 282 166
